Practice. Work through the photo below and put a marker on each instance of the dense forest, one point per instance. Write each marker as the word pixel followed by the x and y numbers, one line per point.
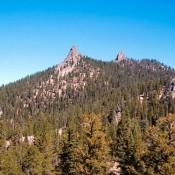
pixel 90 117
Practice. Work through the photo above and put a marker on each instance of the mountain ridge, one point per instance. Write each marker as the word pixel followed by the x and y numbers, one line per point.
pixel 75 73
pixel 120 57
pixel 119 101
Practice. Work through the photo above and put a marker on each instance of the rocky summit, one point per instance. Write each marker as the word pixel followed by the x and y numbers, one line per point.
pixel 120 57
pixel 69 63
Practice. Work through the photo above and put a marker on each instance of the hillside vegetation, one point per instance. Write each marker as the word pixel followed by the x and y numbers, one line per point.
pixel 90 117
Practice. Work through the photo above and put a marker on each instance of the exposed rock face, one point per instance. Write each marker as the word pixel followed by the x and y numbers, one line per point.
pixel 118 115
pixel 7 143
pixel 30 139
pixel 1 112
pixel 69 63
pixel 173 84
pixel 172 87
pixel 60 130
pixel 120 57
pixel 115 116
pixel 115 168
pixel 72 54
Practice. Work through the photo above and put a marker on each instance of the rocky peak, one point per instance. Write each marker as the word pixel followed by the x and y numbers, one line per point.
pixel 120 57
pixel 69 63
pixel 72 54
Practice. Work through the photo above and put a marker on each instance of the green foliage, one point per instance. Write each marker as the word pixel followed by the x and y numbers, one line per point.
pixel 129 145
pixel 70 158
pixel 160 140
pixel 39 105
pixel 10 162
pixel 87 154
pixel 44 141
pixel 32 161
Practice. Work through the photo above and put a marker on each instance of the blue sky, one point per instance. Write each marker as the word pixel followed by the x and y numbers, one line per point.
pixel 37 34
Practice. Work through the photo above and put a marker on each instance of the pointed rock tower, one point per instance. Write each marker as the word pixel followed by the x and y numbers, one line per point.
pixel 120 57
pixel 73 54
pixel 69 63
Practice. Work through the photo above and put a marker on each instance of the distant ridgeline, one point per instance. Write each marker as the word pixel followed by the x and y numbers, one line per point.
pixel 121 91
pixel 81 81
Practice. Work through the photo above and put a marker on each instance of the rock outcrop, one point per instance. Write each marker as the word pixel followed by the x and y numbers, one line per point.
pixel 69 63
pixel 73 54
pixel 1 112
pixel 114 168
pixel 172 88
pixel 120 57
pixel 30 140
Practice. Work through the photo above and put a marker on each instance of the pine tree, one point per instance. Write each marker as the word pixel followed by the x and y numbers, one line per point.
pixel 125 143
pixel 95 146
pixel 160 140
pixel 32 161
pixel 2 141
pixel 10 162
pixel 70 158
pixel 87 152
pixel 44 141
pixel 69 155
pixel 129 148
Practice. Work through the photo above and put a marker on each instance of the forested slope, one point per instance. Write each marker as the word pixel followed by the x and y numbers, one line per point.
pixel 83 116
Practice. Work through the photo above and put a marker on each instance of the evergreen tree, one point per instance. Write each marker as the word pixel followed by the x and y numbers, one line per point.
pixel 32 161
pixel 10 162
pixel 2 141
pixel 88 152
pixel 94 150
pixel 129 146
pixel 160 140
pixel 44 141
pixel 70 158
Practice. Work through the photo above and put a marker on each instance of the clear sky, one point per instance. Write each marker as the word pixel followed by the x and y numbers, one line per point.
pixel 37 34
